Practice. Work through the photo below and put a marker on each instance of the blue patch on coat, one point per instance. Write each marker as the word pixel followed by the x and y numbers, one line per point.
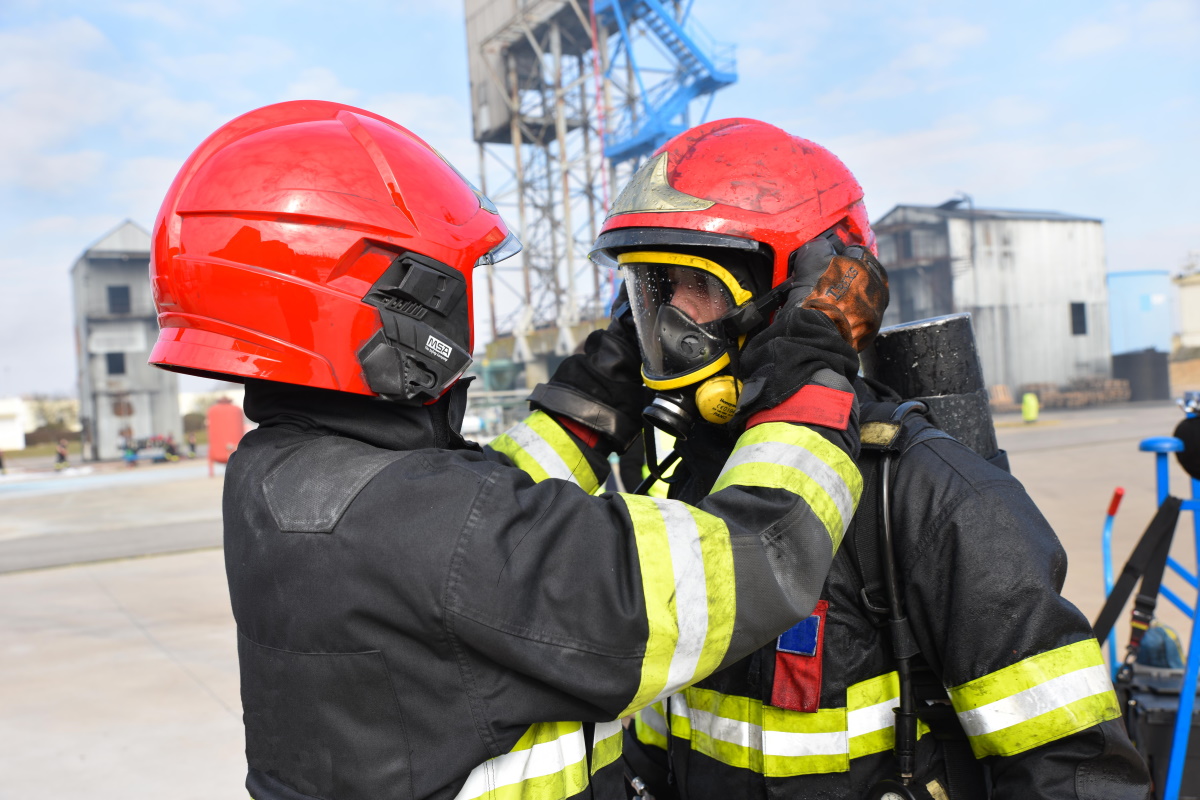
pixel 801 638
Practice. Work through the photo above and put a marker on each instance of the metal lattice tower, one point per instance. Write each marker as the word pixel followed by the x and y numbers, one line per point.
pixel 567 98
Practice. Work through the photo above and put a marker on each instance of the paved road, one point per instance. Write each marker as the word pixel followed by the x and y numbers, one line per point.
pixel 118 679
pixel 92 514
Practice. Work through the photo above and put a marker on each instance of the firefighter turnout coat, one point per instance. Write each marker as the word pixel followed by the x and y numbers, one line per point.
pixel 420 618
pixel 1014 666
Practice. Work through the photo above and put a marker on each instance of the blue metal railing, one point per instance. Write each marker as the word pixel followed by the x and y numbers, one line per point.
pixel 1162 447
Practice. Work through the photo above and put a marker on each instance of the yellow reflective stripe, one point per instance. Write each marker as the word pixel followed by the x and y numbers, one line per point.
pixel 547 763
pixel 688 581
pixel 746 733
pixel 606 744
pixel 650 726
pixel 871 721
pixel 796 743
pixel 780 455
pixel 541 448
pixel 1037 700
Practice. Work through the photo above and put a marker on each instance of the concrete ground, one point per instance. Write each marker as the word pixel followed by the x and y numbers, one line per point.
pixel 118 678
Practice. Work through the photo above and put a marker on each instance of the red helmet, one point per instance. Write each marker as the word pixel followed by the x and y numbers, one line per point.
pixel 739 184
pixel 318 244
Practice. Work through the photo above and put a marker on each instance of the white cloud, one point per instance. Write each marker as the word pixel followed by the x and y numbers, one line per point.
pixel 1015 111
pixel 225 73
pixel 961 153
pixel 1163 29
pixel 319 83
pixel 923 65
pixel 59 173
pixel 139 185
pixel 1089 39
pixel 163 14
pixel 53 103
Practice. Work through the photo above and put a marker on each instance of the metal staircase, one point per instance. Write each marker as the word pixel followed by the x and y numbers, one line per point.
pixel 684 65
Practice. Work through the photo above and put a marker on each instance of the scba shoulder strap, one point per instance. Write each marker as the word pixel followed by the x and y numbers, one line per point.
pixel 888 431
pixel 880 436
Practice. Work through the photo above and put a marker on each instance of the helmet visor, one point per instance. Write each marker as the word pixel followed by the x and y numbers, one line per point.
pixel 678 304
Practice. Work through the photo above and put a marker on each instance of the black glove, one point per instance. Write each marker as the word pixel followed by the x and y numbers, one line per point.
pixel 799 347
pixel 601 388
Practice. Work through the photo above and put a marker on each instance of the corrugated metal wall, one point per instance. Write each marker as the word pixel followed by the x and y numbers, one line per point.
pixel 1027 275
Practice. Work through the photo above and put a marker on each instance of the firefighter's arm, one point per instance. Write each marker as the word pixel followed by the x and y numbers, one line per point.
pixel 618 601
pixel 589 408
pixel 1023 671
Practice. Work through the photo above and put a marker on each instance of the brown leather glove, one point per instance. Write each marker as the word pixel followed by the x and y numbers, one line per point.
pixel 853 293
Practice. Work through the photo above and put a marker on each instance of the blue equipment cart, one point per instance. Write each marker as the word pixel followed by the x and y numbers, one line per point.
pixel 1162 447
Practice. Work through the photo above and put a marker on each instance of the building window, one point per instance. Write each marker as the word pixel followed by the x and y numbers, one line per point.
pixel 116 363
pixel 118 299
pixel 1078 319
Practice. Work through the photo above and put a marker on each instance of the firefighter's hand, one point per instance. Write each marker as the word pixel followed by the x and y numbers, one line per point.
pixel 601 387
pixel 801 346
pixel 853 293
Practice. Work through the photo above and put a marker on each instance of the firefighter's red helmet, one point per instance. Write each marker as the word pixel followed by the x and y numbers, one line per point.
pixel 738 184
pixel 318 244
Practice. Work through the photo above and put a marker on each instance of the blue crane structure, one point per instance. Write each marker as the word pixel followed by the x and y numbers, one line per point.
pixel 696 67
pixel 567 98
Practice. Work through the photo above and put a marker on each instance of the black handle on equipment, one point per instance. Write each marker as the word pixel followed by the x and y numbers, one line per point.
pixel 1148 562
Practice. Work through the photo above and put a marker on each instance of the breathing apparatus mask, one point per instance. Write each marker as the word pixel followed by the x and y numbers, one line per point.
pixel 692 316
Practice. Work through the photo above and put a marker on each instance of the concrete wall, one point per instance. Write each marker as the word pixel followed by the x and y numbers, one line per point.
pixel 1026 275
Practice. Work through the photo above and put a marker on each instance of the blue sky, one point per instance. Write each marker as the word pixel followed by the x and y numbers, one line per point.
pixel 1090 108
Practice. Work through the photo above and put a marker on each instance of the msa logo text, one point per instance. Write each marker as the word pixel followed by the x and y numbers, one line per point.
pixel 438 348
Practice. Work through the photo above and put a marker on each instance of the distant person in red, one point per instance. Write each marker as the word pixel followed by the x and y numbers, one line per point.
pixel 60 455
pixel 191 443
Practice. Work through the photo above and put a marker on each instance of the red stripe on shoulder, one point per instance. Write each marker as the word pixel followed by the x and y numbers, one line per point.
pixel 812 405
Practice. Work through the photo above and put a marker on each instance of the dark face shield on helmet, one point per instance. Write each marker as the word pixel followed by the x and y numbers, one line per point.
pixel 679 304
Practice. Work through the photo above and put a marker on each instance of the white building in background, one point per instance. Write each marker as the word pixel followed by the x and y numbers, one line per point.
pixel 1189 302
pixel 115 327
pixel 12 423
pixel 1033 281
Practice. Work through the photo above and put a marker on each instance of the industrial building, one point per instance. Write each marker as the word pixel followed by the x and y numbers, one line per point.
pixel 120 395
pixel 1188 282
pixel 1033 281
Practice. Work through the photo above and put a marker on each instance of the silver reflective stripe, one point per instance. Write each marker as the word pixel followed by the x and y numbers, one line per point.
pixel 787 455
pixel 768 742
pixel 1029 703
pixel 733 731
pixel 691 593
pixel 606 729
pixel 783 743
pixel 654 720
pixel 866 720
pixel 540 451
pixel 546 758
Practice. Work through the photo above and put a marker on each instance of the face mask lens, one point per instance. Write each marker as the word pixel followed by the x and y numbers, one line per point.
pixel 677 310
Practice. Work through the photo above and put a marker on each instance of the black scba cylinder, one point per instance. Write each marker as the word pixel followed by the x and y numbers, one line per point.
pixel 935 361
